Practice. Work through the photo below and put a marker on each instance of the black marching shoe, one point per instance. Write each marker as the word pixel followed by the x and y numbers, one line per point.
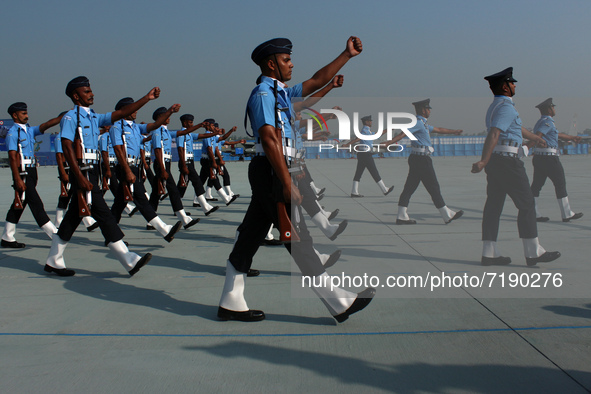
pixel 456 216
pixel 333 214
pixel 319 197
pixel 409 221
pixel 211 199
pixel 545 258
pixel 356 195
pixel 252 273
pixel 143 261
pixel 501 260
pixel 342 227
pixel 249 315
pixel 92 227
pixel 150 227
pixel 363 299
pixel 234 197
pixel 191 223
pixel 321 191
pixel 13 244
pixel 212 210
pixel 59 271
pixel 196 204
pixel 175 229
pixel 574 217
pixel 389 190
pixel 542 219
pixel 163 196
pixel 333 258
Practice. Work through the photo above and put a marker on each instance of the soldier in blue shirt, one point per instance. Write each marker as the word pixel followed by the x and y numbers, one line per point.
pixel 506 175
pixel 547 163
pixel 220 142
pixel 162 143
pixel 187 170
pixel 80 128
pixel 209 165
pixel 365 160
pixel 420 166
pixel 126 137
pixel 268 172
pixel 20 143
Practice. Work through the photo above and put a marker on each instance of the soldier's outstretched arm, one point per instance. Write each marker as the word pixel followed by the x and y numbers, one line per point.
pixel 325 74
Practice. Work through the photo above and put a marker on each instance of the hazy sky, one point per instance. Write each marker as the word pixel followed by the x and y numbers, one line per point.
pixel 199 53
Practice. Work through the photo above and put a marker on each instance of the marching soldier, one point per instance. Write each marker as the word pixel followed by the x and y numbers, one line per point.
pixel 220 142
pixel 209 166
pixel 126 137
pixel 421 166
pixel 547 163
pixel 20 143
pixel 79 137
pixel 365 160
pixel 162 143
pixel 505 175
pixel 187 170
pixel 270 168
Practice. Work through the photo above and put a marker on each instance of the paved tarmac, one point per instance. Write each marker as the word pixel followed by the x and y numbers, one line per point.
pixel 104 332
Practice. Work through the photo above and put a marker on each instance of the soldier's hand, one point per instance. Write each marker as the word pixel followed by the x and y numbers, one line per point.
pixel 175 108
pixel 478 166
pixel 130 178
pixel 185 170
pixel 84 184
pixel 576 139
pixel 458 132
pixel 20 186
pixel 354 46
pixel 233 129
pixel 337 81
pixel 292 194
pixel 243 141
pixel 65 179
pixel 542 142
pixel 154 93
pixel 164 175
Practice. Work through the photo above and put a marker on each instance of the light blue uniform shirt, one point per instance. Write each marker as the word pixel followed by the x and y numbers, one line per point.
pixel 548 129
pixel 105 144
pixel 503 115
pixel 133 136
pixel 208 142
pixel 162 139
pixel 367 131
pixel 422 131
pixel 90 123
pixel 27 139
pixel 261 106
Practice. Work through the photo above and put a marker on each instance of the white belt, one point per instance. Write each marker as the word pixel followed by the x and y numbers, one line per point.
pixel 27 161
pixel 167 156
pixel 287 151
pixel 147 154
pixel 506 149
pixel 188 156
pixel 112 159
pixel 90 156
pixel 547 151
pixel 423 149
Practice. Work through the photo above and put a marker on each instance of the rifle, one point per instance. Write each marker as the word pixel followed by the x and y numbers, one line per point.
pixel 127 188
pixel 64 186
pixel 286 230
pixel 18 199
pixel 84 198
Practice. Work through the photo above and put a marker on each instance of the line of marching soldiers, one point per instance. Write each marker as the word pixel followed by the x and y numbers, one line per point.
pixel 101 152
